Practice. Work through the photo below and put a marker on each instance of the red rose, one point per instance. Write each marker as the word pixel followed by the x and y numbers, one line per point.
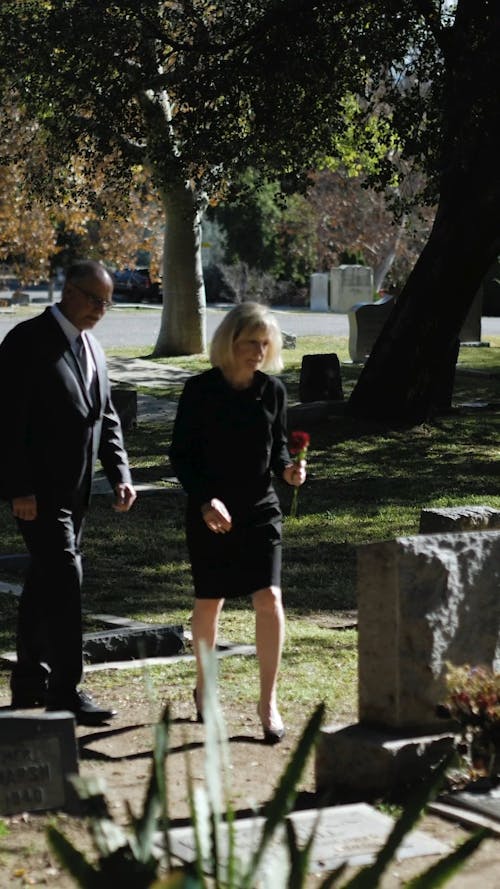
pixel 299 441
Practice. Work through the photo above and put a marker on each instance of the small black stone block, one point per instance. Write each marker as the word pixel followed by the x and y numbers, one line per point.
pixel 125 404
pixel 320 378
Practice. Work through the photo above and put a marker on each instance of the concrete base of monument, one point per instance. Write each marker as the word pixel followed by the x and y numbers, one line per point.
pixel 358 762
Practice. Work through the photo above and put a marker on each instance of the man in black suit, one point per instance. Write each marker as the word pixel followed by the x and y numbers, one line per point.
pixel 58 419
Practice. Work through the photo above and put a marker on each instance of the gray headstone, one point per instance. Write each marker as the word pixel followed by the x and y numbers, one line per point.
pixel 350 285
pixel 459 518
pixel 320 378
pixel 20 298
pixel 366 321
pixel 491 290
pixel 318 292
pixel 471 328
pixel 37 755
pixel 424 601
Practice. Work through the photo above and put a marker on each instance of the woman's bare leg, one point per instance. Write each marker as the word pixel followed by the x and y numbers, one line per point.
pixel 269 637
pixel 204 626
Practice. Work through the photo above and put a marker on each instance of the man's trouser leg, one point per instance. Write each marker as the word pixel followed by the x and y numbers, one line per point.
pixel 49 622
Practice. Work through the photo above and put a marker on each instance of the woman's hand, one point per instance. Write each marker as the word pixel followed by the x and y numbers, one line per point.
pixel 295 473
pixel 25 508
pixel 216 516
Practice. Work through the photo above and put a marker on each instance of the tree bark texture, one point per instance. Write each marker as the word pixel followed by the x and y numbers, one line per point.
pixel 402 376
pixel 402 379
pixel 183 322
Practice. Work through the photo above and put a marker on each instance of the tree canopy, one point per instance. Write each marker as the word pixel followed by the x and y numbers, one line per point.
pixel 195 92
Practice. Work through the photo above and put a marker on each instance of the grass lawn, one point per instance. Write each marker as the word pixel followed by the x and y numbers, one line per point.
pixel 364 484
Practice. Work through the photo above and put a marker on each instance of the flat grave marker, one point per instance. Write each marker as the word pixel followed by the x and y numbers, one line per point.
pixel 352 833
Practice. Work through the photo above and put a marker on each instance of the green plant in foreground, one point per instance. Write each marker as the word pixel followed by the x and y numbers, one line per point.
pixel 132 860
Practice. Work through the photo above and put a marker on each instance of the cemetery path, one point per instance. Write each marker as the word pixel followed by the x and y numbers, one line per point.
pixel 120 754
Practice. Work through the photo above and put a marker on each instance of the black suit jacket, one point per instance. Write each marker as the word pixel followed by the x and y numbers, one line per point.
pixel 52 432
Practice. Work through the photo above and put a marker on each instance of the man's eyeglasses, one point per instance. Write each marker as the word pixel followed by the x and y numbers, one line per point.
pixel 97 301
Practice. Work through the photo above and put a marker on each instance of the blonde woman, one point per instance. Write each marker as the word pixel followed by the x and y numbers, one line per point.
pixel 229 435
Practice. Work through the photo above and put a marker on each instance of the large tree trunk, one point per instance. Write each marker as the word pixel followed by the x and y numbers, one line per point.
pixel 183 322
pixel 401 379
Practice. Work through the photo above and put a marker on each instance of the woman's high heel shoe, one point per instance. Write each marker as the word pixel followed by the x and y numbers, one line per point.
pixel 271 735
pixel 199 714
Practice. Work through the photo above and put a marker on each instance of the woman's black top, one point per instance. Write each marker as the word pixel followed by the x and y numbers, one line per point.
pixel 225 444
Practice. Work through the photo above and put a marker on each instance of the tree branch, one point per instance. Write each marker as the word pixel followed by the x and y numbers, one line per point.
pixel 432 17
pixel 276 16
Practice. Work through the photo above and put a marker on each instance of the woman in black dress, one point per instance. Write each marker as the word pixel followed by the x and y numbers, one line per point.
pixel 229 433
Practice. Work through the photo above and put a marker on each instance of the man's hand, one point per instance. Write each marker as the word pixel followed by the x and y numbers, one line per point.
pixel 25 508
pixel 124 497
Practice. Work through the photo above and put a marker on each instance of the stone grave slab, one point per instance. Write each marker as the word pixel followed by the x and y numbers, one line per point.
pixel 37 755
pixel 364 763
pixel 129 643
pixel 352 834
pixel 11 589
pixel 304 415
pixel 227 651
pixel 459 518
pixel 484 801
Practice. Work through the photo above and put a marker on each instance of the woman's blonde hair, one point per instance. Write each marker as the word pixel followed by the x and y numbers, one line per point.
pixel 247 316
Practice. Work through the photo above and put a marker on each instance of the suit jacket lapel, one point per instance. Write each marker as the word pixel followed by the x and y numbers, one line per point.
pixel 70 369
pixel 73 376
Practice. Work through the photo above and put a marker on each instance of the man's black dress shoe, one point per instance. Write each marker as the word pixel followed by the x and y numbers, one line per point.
pixel 81 704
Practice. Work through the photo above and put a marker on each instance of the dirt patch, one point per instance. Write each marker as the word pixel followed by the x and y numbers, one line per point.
pixel 120 753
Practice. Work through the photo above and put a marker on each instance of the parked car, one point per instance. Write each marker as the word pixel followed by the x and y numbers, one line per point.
pixel 135 285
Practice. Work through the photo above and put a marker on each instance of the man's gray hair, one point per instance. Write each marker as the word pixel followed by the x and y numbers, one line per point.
pixel 86 268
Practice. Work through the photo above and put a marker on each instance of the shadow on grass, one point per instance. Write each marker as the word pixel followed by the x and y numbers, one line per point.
pixel 365 483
